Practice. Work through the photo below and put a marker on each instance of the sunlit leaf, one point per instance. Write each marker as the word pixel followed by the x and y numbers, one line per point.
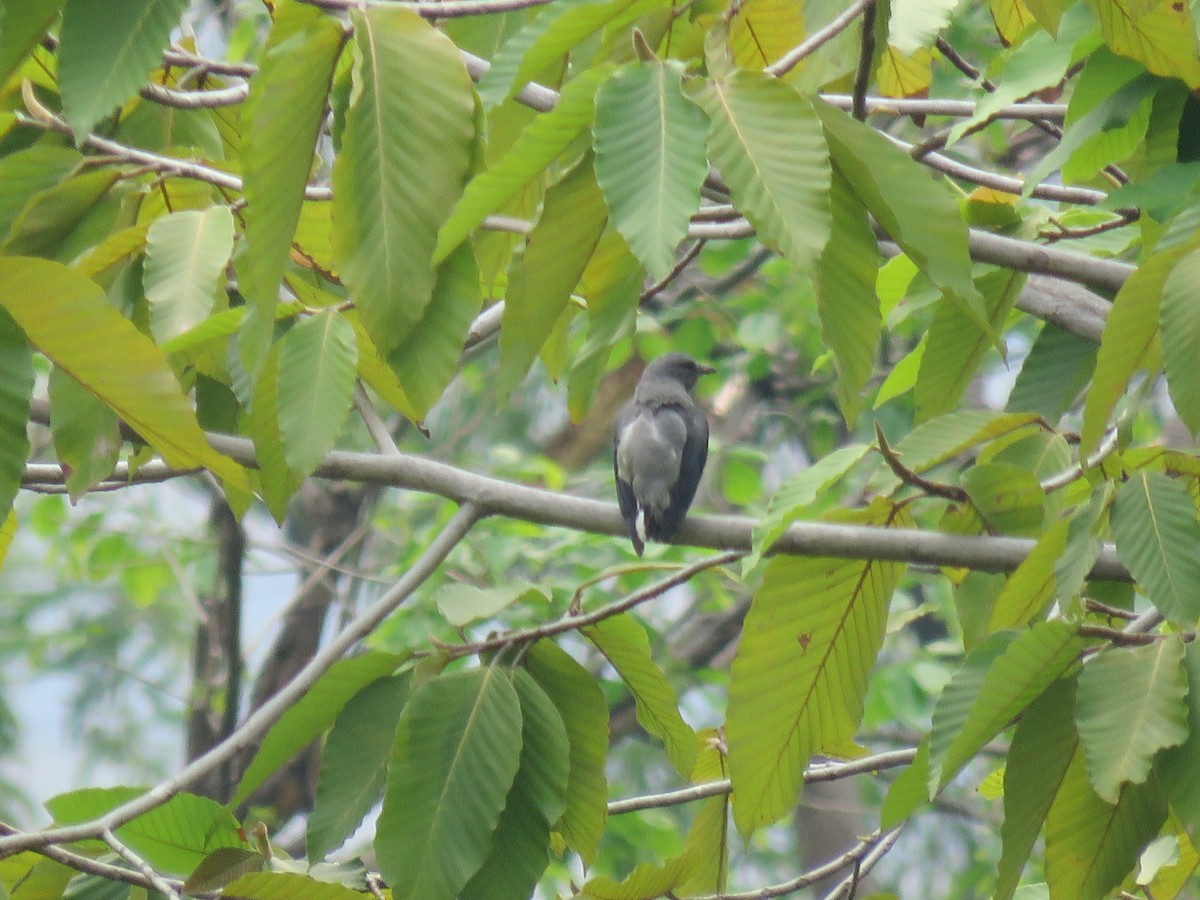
pixel 1160 34
pixel 624 643
pixel 173 837
pixel 68 318
pixel 797 683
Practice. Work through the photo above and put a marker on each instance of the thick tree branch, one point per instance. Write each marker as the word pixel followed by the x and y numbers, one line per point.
pixel 260 721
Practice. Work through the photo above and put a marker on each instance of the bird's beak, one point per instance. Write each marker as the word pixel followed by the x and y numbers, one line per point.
pixel 705 370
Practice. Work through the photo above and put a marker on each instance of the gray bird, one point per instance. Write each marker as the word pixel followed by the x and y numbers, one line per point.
pixel 660 445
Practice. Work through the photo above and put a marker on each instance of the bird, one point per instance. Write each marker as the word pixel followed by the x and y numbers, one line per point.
pixel 660 445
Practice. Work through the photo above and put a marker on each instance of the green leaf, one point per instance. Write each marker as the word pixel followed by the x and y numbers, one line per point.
pixel 943 438
pixel 174 837
pixel 186 254
pixel 28 173
pixel 312 714
pixel 1032 587
pixel 1159 34
pixel 581 704
pixel 1131 705
pixel 998 679
pixel 624 643
pixel 1158 538
pixel 699 869
pixel 287 886
pixel 520 848
pixel 1043 746
pixel 317 370
pixel 283 116
pixel 770 147
pixel 915 23
pixel 920 216
pixel 426 361
pixel 1058 366
pixel 377 374
pixel 457 752
pixel 1007 497
pixel 462 604
pixel 106 52
pixel 1113 112
pixel 650 163
pixel 354 759
pixel 560 245
pixel 87 440
pixel 798 494
pixel 1130 341
pixel 541 141
pixel 68 318
pixel 20 30
pixel 16 387
pixel 846 298
pixel 1092 845
pixel 387 209
pixel 555 32
pixel 1177 765
pixel 223 865
pixel 955 346
pixel 276 480
pixel 1180 324
pixel 51 216
pixel 909 791
pixel 800 674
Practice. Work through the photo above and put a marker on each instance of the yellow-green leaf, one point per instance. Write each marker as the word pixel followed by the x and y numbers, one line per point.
pixel 68 318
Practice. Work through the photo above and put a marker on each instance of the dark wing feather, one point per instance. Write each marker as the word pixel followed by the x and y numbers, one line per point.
pixel 625 499
pixel 691 467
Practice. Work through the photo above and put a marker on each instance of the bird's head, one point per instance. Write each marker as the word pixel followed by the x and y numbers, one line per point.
pixel 677 367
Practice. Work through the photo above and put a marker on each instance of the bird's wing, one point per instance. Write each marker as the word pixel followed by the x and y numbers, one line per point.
pixel 625 498
pixel 691 465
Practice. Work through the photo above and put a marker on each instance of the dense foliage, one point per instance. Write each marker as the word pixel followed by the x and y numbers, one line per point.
pixel 384 271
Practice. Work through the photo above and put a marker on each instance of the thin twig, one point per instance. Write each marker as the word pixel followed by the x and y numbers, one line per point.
pixel 576 622
pixel 211 99
pixel 820 772
pixel 818 39
pixel 949 492
pixel 684 261
pixel 450 9
pixel 850 858
pixel 156 880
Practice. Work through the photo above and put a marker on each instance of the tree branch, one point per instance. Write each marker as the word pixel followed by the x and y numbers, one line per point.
pixel 821 772
pixel 260 721
pixel 818 39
